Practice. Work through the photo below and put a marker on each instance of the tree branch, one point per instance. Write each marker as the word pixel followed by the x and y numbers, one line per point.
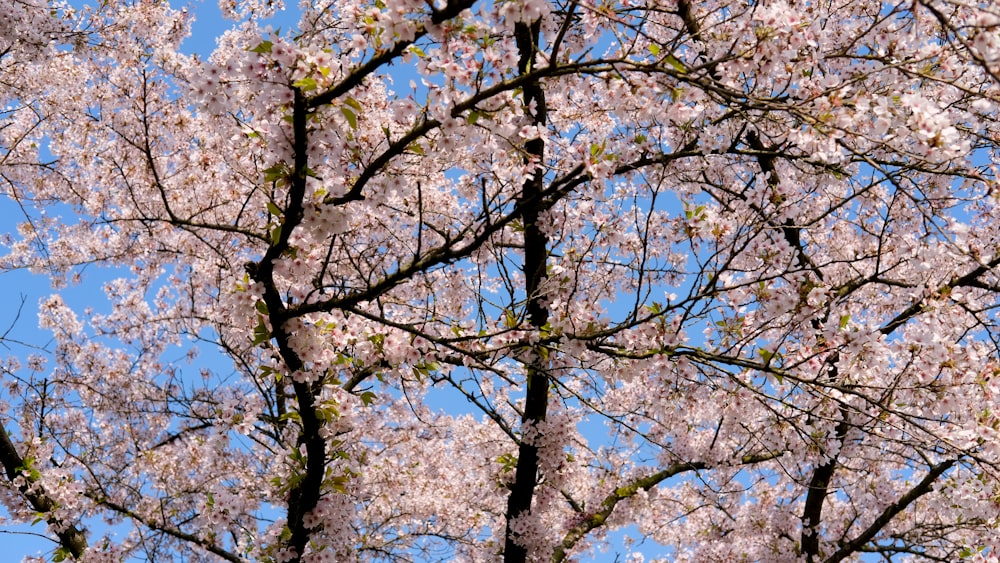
pixel 71 538
pixel 597 519
pixel 923 487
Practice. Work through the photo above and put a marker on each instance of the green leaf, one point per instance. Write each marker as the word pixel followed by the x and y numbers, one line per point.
pixel 260 333
pixel 969 551
pixel 276 234
pixel 339 484
pixel 676 63
pixel 328 413
pixel 354 104
pixel 417 51
pixel 507 462
pixel 28 467
pixel 655 49
pixel 275 172
pixel 844 319
pixel 263 47
pixel 305 84
pixel 415 148
pixel 696 213
pixel 292 415
pixel 261 307
pixel 472 118
pixel 273 209
pixel 509 319
pixel 378 340
pixel 367 398
pixel 352 119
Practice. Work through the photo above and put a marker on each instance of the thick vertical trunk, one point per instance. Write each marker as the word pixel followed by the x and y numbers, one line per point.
pixel 305 494
pixel 535 255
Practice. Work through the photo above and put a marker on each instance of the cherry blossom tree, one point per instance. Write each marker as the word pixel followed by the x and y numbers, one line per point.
pixel 494 280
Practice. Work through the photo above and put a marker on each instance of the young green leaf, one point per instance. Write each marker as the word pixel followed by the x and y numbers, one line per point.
pixel 352 119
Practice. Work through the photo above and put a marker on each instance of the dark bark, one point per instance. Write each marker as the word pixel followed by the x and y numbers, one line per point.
pixel 72 540
pixel 819 483
pixel 305 494
pixel 812 512
pixel 535 255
